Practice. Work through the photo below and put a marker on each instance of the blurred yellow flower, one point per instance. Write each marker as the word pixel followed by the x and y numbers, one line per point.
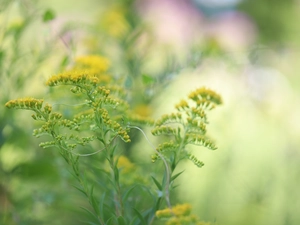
pixel 178 210
pixel 114 22
pixel 179 215
pixel 143 110
pixel 93 62
pixel 125 165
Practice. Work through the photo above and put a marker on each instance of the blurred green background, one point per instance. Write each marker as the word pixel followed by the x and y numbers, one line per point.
pixel 248 51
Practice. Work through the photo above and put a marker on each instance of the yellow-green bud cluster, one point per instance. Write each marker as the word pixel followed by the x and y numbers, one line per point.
pixel 87 116
pixel 72 125
pixel 45 129
pixel 47 144
pixel 205 93
pixel 55 116
pixel 196 161
pixel 103 91
pixel 182 105
pixel 169 118
pixel 25 103
pixel 165 130
pixel 198 112
pixel 47 108
pixel 195 126
pixel 73 78
pixel 165 147
pixel 112 124
pixel 124 135
pixel 205 98
pixel 197 139
pixel 84 140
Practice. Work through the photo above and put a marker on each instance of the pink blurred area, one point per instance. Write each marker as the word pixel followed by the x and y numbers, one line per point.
pixel 180 22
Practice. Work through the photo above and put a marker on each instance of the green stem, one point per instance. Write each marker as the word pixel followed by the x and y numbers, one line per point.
pixel 118 194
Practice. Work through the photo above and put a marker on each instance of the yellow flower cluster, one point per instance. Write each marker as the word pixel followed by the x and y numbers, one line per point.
pixel 25 103
pixel 75 77
pixel 164 147
pixel 198 139
pixel 182 105
pixel 165 130
pixel 167 145
pixel 115 126
pixel 88 69
pixel 205 97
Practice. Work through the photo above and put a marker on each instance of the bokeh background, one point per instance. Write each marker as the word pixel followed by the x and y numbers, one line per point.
pixel 246 50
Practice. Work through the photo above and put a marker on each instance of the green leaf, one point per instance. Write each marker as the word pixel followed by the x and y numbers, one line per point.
pixel 142 219
pixel 116 172
pixel 158 202
pixel 176 175
pixel 94 202
pixel 101 205
pixel 64 62
pixel 91 223
pixel 125 196
pixel 2 56
pixel 121 220
pixel 147 80
pixel 48 15
pixel 89 212
pixel 80 189
pixel 111 221
pixel 158 185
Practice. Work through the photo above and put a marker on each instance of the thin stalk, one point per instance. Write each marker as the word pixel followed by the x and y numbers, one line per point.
pixel 168 172
pixel 118 195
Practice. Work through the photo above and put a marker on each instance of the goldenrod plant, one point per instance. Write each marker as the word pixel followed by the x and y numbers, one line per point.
pixel 90 128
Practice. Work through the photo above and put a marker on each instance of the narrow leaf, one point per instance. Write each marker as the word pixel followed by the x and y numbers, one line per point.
pixel 79 189
pixel 121 220
pixel 143 221
pixel 89 212
pixel 111 221
pixel 101 205
pixel 158 202
pixel 176 175
pixel 125 196
pixel 158 185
